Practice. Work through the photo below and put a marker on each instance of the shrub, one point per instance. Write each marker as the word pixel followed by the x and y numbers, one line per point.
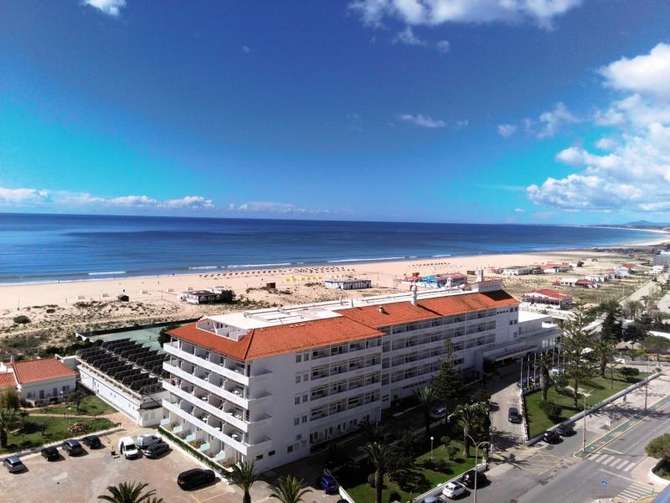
pixel 21 319
pixel 452 451
pixel 659 447
pixel 629 371
pixel 552 410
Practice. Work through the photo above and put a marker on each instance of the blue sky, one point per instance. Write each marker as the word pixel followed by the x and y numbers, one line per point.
pixel 428 110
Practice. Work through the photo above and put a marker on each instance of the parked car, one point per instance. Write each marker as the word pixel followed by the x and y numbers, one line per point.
pixel 197 477
pixel 619 360
pixel 453 490
pixel 551 437
pixel 14 464
pixel 128 448
pixel 566 429
pixel 438 412
pixel 328 483
pixel 513 415
pixel 468 479
pixel 50 453
pixel 73 448
pixel 156 450
pixel 92 441
pixel 146 440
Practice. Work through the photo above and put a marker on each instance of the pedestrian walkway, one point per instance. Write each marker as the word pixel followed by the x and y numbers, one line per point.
pixel 614 462
pixel 633 493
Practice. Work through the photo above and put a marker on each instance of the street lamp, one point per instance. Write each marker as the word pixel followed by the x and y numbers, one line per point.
pixel 477 446
pixel 431 448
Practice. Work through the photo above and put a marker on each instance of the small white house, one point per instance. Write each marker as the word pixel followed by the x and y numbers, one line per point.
pixel 38 382
pixel 199 296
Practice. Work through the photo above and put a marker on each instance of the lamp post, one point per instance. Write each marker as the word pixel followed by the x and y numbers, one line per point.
pixel 477 447
pixel 431 448
pixel 584 428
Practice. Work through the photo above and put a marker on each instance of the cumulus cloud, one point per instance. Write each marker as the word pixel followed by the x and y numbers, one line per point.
pixel 25 197
pixel 109 7
pixel 273 207
pixel 408 37
pixel 436 12
pixel 424 121
pixel 506 130
pixel 631 167
pixel 443 46
pixel 644 74
pixel 22 196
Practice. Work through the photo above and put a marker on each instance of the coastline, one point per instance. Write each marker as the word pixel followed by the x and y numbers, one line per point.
pixel 385 274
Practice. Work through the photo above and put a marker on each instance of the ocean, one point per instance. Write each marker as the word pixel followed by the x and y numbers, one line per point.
pixel 66 247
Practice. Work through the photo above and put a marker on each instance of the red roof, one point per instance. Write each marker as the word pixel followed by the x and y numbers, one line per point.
pixel 7 380
pixel 386 315
pixel 270 341
pixel 458 304
pixel 29 371
pixel 548 292
pixel 355 324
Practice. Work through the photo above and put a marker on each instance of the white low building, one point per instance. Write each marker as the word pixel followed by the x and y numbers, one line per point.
pixel 39 382
pixel 347 283
pixel 270 385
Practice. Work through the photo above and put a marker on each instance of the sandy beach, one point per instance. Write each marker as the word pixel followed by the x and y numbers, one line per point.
pixel 57 309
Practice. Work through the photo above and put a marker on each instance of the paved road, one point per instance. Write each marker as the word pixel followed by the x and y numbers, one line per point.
pixel 552 474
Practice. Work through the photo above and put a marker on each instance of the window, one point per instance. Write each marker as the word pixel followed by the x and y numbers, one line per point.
pixel 305 397
pixel 289 449
pixel 297 379
pixel 259 457
pixel 271 453
pixel 304 419
pixel 296 421
pixel 297 400
pixel 298 358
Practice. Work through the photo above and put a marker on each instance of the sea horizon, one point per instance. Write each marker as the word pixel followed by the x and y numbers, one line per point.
pixel 61 247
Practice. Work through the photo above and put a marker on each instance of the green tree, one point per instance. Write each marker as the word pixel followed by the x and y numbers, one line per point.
pixel 604 350
pixel 577 341
pixel 289 489
pixel 383 457
pixel 9 419
pixel 633 308
pixel 655 344
pixel 470 414
pixel 130 492
pixel 448 384
pixel 9 399
pixel 427 398
pixel 659 447
pixel 244 475
pixel 544 362
pixel 611 327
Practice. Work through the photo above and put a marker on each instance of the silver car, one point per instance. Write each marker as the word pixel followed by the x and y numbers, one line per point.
pixel 14 464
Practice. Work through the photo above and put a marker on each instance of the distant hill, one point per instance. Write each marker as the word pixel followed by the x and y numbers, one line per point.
pixel 647 224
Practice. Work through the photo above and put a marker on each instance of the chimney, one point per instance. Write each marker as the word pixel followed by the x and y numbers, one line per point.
pixel 382 310
pixel 414 295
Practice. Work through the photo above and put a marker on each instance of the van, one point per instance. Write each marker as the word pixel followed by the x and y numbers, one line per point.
pixel 128 448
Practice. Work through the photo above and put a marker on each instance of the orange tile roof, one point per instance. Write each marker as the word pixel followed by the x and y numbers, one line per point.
pixel 477 301
pixel 271 341
pixel 7 380
pixel 396 313
pixel 30 371
pixel 548 292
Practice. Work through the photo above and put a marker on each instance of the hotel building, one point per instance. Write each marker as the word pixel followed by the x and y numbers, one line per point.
pixel 269 385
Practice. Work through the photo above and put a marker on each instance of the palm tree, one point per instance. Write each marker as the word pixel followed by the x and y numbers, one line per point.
pixel 470 414
pixel 130 492
pixel 289 489
pixel 382 456
pixel 427 397
pixel 244 476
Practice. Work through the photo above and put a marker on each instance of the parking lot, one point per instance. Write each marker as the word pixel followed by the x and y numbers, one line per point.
pixel 83 479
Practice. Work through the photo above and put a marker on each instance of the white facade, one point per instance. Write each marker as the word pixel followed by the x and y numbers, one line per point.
pixel 274 410
pixel 347 284
pixel 40 388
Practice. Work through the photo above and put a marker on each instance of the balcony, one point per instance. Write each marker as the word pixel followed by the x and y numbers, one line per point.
pixel 206 385
pixel 220 413
pixel 220 368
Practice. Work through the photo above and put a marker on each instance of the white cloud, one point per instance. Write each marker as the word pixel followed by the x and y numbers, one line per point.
pixel 519 210
pixel 436 12
pixel 506 130
pixel 109 7
pixel 408 37
pixel 246 49
pixel 424 121
pixel 273 208
pixel 443 46
pixel 632 169
pixel 549 123
pixel 644 74
pixel 22 196
pixel 64 199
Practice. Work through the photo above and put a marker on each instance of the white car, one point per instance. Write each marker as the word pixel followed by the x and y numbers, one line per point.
pixel 453 490
pixel 620 360
pixel 128 448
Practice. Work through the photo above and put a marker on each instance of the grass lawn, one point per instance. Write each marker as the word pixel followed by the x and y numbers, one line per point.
pixel 421 478
pixel 90 405
pixel 38 430
pixel 596 389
